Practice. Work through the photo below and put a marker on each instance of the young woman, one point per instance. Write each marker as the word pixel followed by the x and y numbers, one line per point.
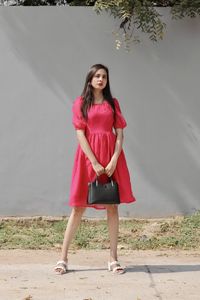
pixel 99 125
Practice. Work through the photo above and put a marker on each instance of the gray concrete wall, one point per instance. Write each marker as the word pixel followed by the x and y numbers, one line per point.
pixel 45 53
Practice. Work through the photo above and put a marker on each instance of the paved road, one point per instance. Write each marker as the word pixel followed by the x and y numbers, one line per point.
pixel 151 275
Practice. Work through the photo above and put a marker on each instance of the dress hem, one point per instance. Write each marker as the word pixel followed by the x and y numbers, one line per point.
pixel 98 208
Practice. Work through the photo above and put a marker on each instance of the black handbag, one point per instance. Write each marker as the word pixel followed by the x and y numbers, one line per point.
pixel 106 193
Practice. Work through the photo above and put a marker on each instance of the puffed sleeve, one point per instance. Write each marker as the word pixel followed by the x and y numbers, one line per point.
pixel 78 120
pixel 119 122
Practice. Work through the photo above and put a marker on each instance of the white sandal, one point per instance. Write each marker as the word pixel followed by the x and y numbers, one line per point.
pixel 117 269
pixel 62 266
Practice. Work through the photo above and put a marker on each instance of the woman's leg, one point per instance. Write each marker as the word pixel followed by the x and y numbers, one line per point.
pixel 113 229
pixel 72 226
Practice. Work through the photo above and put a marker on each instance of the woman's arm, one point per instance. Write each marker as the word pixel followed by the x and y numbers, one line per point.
pixel 110 168
pixel 118 143
pixel 98 168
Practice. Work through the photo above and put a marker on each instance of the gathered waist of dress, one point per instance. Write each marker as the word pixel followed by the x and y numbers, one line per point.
pixel 109 132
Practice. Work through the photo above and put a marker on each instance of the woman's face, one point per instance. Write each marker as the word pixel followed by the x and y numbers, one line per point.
pixel 99 80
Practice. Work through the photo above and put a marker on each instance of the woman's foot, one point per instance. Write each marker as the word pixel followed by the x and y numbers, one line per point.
pixel 61 267
pixel 115 267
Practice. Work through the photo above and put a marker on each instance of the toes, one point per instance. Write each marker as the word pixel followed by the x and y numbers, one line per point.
pixel 120 271
pixel 59 271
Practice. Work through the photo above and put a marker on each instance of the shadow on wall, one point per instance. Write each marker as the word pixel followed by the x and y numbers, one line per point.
pixel 60 52
pixel 165 120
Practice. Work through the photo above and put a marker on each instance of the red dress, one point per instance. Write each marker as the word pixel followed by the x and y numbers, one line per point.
pixel 100 135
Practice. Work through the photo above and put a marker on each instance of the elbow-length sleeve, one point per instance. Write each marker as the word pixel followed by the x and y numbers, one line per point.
pixel 77 119
pixel 119 122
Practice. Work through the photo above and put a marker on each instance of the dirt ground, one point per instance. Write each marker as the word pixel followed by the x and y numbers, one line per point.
pixel 163 275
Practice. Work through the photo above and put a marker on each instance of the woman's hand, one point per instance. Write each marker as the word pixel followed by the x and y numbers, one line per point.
pixel 110 168
pixel 98 168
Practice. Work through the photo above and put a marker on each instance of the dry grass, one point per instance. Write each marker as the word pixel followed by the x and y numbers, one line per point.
pixel 47 233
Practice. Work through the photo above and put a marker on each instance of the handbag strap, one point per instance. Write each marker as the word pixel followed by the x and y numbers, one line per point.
pixel 111 180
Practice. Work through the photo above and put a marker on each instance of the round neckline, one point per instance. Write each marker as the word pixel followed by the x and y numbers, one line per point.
pixel 99 103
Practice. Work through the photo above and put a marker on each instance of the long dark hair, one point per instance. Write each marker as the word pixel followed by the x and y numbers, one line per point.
pixel 87 93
